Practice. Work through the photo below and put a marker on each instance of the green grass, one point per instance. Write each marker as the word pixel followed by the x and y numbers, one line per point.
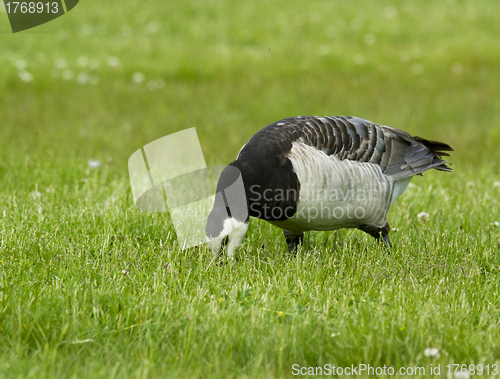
pixel 92 287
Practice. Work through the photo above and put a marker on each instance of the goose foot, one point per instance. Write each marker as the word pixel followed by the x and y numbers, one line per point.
pixel 293 240
pixel 380 234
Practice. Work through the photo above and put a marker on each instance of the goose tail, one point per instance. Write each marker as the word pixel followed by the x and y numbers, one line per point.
pixel 439 149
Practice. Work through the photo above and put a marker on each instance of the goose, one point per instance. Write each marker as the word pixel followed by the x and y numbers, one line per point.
pixel 320 173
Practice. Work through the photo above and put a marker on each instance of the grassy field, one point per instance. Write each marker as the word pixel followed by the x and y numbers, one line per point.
pixel 90 287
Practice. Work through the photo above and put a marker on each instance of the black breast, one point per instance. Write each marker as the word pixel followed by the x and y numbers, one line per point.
pixel 271 188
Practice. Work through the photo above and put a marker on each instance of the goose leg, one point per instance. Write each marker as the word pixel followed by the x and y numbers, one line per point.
pixel 293 240
pixel 380 234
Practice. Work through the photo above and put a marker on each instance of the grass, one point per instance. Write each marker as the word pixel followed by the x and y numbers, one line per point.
pixel 92 287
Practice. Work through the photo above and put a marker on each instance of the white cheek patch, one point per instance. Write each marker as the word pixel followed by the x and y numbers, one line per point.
pixel 235 238
pixel 236 231
pixel 215 244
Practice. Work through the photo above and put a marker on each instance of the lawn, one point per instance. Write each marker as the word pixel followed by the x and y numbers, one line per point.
pixel 91 287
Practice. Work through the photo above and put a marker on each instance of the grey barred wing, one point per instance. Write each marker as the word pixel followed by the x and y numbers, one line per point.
pixel 397 153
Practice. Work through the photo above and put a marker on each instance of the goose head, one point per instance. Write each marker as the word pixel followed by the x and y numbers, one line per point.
pixel 228 220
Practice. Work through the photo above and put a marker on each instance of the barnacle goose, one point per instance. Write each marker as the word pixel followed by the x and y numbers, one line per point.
pixel 321 173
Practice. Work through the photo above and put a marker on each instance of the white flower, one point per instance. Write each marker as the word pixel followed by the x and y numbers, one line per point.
pixel 63 34
pixel 126 31
pixel 93 64
pixel 395 230
pixel 21 64
pixel 369 39
pixel 151 85
pixel 359 59
pixel 324 49
pixel 25 76
pixel 470 184
pixel 124 272
pixel 114 62
pixel 61 63
pixel 417 68
pixel 496 184
pixel 93 79
pixel 404 56
pixel 67 75
pixel 82 61
pixel 82 78
pixel 432 352
pixel 462 375
pixel 356 24
pixel 423 217
pixel 93 164
pixel 457 68
pixel 495 224
pixel 390 12
pixel 331 32
pixel 416 52
pixel 152 27
pixel 158 83
pixel 87 29
pixel 138 77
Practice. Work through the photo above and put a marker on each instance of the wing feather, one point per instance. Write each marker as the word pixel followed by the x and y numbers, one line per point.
pixel 397 153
